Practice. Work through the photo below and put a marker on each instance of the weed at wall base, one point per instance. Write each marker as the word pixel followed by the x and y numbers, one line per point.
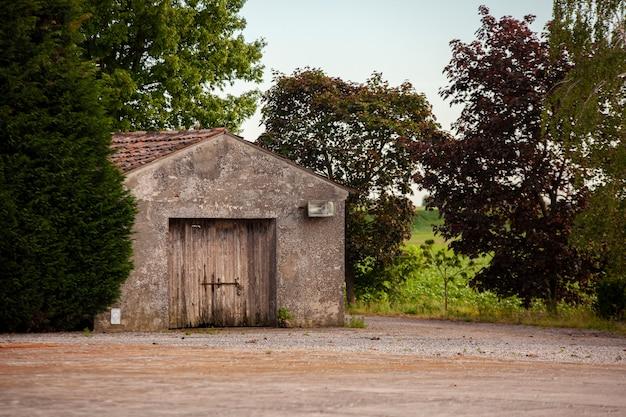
pixel 356 323
pixel 283 317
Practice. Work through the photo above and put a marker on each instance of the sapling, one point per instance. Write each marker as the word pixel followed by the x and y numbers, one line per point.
pixel 448 266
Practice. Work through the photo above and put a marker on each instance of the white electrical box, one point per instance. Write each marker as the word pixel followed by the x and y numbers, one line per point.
pixel 321 208
pixel 116 316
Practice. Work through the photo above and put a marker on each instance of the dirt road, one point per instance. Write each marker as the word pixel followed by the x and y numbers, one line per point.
pixel 395 367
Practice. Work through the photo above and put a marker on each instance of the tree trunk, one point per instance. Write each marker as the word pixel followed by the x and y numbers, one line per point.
pixel 350 295
pixel 349 274
pixel 551 302
pixel 445 296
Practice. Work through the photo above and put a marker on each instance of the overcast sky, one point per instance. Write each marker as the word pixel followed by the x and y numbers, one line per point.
pixel 403 39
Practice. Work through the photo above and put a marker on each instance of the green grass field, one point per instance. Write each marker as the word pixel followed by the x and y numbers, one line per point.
pixel 422 230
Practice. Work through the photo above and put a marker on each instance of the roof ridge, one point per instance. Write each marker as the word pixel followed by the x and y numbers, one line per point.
pixel 172 131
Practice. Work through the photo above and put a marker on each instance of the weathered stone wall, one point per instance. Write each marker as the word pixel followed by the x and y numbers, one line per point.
pixel 225 177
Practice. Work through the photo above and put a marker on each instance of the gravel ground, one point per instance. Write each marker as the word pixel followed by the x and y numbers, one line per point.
pixel 388 335
pixel 395 367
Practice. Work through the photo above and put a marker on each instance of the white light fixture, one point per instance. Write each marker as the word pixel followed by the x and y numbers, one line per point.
pixel 321 208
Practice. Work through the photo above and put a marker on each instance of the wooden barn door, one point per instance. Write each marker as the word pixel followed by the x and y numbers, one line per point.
pixel 221 272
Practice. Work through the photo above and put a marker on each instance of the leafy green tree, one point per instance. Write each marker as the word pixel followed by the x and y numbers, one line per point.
pixel 358 135
pixel 503 185
pixel 65 218
pixel 165 63
pixel 589 108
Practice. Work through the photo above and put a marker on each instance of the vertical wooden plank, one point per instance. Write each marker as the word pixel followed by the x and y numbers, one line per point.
pixel 191 272
pixel 180 265
pixel 195 276
pixel 271 279
pixel 215 276
pixel 227 259
pixel 171 277
pixel 210 272
pixel 216 270
pixel 237 307
pixel 179 273
pixel 242 271
pixel 264 268
pixel 198 260
pixel 182 303
pixel 172 273
pixel 199 268
pixel 188 271
pixel 254 273
pixel 232 309
pixel 210 275
pixel 251 300
pixel 209 261
pixel 260 272
pixel 232 304
pixel 218 315
pixel 224 276
pixel 243 274
pixel 202 263
pixel 262 275
pixel 184 274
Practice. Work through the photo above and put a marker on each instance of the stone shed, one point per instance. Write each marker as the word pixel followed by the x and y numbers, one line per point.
pixel 227 234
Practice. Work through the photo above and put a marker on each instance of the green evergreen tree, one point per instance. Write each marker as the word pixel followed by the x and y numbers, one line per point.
pixel 65 217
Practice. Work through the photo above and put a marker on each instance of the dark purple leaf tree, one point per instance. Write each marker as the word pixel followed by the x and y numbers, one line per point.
pixel 504 186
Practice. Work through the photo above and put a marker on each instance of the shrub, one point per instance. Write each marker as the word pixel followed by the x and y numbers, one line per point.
pixel 378 283
pixel 611 298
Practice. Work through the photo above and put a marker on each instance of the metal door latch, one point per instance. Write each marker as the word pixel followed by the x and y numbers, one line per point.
pixel 237 284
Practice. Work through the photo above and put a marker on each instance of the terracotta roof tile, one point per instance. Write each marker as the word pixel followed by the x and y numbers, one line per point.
pixel 134 149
